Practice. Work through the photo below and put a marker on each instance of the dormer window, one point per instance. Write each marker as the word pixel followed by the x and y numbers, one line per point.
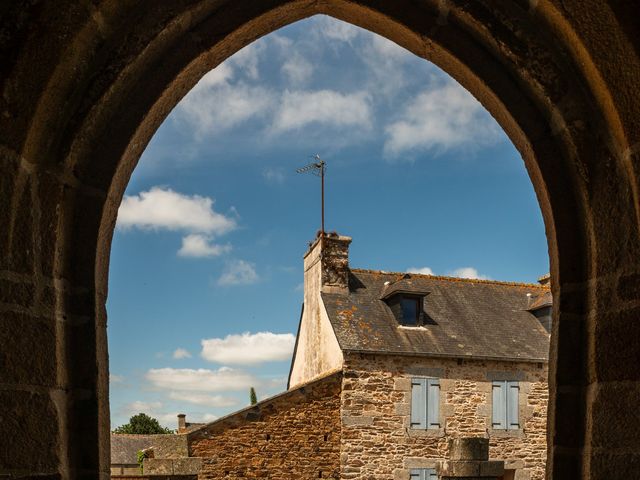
pixel 407 307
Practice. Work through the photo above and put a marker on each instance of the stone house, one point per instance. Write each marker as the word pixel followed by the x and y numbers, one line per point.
pixel 387 368
pixel 166 454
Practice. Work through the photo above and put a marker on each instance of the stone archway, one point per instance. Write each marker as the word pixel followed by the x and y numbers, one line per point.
pixel 85 85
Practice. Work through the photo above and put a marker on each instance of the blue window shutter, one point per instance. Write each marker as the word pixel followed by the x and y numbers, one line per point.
pixel 512 405
pixel 418 403
pixel 433 403
pixel 499 407
pixel 416 474
pixel 431 474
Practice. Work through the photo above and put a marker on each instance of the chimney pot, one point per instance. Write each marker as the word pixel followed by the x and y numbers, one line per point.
pixel 182 422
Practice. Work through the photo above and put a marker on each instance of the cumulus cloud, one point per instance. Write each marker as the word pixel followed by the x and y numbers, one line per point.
pixel 420 270
pixel 440 119
pixel 248 348
pixel 468 272
pixel 181 353
pixel 163 209
pixel 203 399
pixel 200 380
pixel 197 245
pixel 218 103
pixel 301 108
pixel 297 69
pixel 113 378
pixel 335 29
pixel 238 272
pixel 139 406
pixel 248 59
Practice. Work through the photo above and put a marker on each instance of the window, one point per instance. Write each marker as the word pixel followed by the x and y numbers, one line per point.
pixel 425 403
pixel 505 405
pixel 410 310
pixel 423 474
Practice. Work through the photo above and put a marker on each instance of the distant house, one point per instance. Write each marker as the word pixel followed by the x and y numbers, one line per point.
pixel 166 454
pixel 389 366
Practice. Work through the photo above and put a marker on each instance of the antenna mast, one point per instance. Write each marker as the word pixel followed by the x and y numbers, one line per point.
pixel 317 168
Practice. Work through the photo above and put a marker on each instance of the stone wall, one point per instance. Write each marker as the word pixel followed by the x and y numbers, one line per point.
pixel 377 440
pixel 293 435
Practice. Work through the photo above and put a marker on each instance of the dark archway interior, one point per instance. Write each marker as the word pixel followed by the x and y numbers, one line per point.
pixel 85 86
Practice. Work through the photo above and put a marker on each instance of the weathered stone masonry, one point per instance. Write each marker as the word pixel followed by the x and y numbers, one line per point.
pixel 375 407
pixel 295 435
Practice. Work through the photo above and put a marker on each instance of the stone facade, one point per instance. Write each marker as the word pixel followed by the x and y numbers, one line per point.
pixel 294 435
pixel 377 441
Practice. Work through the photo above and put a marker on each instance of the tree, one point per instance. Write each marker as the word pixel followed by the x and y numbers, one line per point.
pixel 252 396
pixel 142 424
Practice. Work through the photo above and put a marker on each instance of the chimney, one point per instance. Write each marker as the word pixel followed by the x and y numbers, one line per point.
pixel 545 280
pixel 182 423
pixel 326 264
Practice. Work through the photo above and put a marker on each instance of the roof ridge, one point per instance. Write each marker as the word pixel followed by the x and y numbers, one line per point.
pixel 454 279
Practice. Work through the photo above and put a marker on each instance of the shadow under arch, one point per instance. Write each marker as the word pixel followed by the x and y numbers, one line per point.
pixel 114 73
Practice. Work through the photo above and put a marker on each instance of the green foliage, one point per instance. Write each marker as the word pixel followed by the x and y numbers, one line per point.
pixel 142 424
pixel 141 456
pixel 252 396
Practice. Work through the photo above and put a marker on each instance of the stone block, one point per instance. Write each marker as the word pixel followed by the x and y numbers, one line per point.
pixel 29 423
pixel 492 468
pixel 157 466
pixel 402 383
pixel 20 361
pixel 459 468
pixel 475 448
pixel 187 466
pixel 363 420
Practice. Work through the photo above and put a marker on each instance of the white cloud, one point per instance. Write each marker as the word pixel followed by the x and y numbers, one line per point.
pixel 248 58
pixel 218 76
pixel 238 272
pixel 197 245
pixel 203 399
pixel 273 175
pixel 248 348
pixel 420 270
pixel 439 119
pixel 301 108
pixel 138 406
pixel 336 30
pixel 113 378
pixel 209 417
pixel 181 353
pixel 219 104
pixel 200 380
pixel 163 209
pixel 297 69
pixel 468 272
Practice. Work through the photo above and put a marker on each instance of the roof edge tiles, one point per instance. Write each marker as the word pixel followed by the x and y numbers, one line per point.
pixel 452 279
pixel 447 355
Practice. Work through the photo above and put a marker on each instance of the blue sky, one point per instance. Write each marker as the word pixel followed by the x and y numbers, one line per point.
pixel 206 263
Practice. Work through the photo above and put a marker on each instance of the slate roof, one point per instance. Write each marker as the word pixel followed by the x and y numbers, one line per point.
pixel 125 448
pixel 469 318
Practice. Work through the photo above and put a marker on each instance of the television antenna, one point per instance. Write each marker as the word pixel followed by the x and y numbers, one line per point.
pixel 317 168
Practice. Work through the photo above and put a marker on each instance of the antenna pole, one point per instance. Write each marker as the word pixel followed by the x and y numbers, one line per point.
pixel 322 195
